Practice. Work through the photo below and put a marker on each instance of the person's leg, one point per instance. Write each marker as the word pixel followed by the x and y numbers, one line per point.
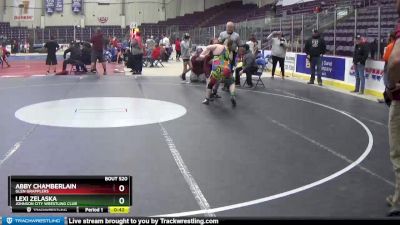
pixel 93 59
pixel 394 144
pixel 282 65
pixel 65 63
pixel 140 63
pixel 210 86
pixel 274 62
pixel 357 76
pixel 319 70
pixel 249 73
pixel 237 76
pixel 362 77
pixel 185 65
pixel 312 68
pixel 231 84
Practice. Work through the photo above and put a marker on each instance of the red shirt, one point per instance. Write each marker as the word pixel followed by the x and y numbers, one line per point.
pixel 177 45
pixel 156 53
pixel 97 41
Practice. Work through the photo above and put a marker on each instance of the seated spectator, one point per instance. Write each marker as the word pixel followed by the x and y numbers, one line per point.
pixel 155 54
pixel 198 73
pixel 120 55
pixel 74 59
pixel 249 65
pixel 86 53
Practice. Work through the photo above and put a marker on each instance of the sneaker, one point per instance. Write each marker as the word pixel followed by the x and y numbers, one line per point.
pixel 389 201
pixel 310 82
pixel 206 101
pixel 283 77
pixel 320 83
pixel 394 211
pixel 233 100
pixel 354 91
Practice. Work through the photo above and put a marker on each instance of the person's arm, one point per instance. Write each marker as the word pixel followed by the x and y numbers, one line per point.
pixel 323 46
pixel 394 66
pixel 207 51
pixel 66 52
pixel 307 47
pixel 365 53
pixel 271 35
pixel 221 38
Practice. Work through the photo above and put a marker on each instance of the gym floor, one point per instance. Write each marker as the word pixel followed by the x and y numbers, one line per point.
pixel 287 150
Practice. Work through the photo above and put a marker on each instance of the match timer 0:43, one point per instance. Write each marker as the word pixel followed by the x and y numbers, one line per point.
pixel 76 194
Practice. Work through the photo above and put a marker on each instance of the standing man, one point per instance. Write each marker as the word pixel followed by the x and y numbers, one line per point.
pixel 97 51
pixel 230 34
pixel 315 47
pixel 186 45
pixel 361 53
pixel 278 51
pixel 52 47
pixel 393 88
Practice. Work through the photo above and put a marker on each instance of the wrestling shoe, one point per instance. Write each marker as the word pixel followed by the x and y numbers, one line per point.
pixel 233 100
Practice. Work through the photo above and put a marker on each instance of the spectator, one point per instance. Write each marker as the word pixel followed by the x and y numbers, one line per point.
pixel 360 57
pixel 156 54
pixel 137 52
pixel 374 48
pixel 75 58
pixel 97 51
pixel 249 65
pixel 186 46
pixel 393 90
pixel 167 46
pixel 4 55
pixel 315 47
pixel 178 49
pixel 52 47
pixel 86 53
pixel 150 45
pixel 278 51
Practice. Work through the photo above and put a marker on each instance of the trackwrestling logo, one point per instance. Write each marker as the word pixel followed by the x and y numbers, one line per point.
pixel 33 220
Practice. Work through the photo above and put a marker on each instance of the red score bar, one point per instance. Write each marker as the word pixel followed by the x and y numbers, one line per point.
pixel 85 189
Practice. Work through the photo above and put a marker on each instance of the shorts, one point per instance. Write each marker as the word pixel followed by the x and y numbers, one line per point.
pixel 51 59
pixel 97 55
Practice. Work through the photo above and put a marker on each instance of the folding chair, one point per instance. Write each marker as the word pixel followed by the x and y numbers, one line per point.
pixel 257 77
pixel 158 61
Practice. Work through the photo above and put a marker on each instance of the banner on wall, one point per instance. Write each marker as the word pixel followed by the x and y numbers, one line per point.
pixel 59 5
pixel 332 67
pixel 373 74
pixel 76 6
pixel 290 61
pixel 24 10
pixel 50 6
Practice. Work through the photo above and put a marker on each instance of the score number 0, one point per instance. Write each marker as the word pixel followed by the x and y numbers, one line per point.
pixel 121 200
